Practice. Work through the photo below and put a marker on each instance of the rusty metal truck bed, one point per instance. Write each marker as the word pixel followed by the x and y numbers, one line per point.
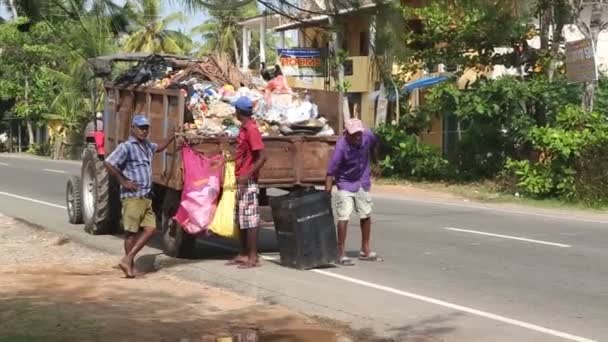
pixel 292 161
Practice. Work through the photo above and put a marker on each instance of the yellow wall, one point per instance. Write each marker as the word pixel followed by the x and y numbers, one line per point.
pixel 434 136
pixel 361 80
pixel 368 115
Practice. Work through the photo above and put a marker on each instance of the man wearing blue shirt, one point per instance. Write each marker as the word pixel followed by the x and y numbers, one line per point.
pixel 131 164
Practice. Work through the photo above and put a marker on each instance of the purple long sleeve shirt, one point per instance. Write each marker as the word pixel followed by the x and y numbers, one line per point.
pixel 350 165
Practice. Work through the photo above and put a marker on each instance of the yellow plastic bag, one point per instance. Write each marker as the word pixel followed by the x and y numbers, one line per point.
pixel 223 223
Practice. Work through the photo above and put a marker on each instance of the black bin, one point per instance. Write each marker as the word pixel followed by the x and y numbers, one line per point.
pixel 305 227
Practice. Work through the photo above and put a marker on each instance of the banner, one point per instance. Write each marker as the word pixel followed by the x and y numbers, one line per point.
pixel 302 62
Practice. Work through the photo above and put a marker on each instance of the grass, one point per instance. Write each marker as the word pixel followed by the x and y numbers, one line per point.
pixel 487 192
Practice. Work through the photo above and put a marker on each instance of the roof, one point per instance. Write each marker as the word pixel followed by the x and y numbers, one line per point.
pixel 423 83
pixel 272 21
pixel 322 18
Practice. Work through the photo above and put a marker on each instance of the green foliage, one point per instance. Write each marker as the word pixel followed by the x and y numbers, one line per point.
pixel 535 180
pixel 222 33
pixel 496 118
pixel 23 56
pixel 401 155
pixel 151 34
pixel 567 158
pixel 335 62
pixel 44 74
pixel 462 33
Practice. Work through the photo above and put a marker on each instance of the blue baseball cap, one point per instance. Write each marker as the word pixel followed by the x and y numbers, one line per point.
pixel 140 120
pixel 244 105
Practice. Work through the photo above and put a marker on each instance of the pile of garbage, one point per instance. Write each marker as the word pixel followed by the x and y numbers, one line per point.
pixel 212 83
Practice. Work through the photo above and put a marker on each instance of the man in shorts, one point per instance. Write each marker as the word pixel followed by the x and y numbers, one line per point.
pixel 350 169
pixel 131 164
pixel 249 159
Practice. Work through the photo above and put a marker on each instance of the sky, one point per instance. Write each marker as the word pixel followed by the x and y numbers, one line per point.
pixel 193 19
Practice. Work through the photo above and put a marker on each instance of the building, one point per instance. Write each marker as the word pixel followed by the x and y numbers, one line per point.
pixel 311 32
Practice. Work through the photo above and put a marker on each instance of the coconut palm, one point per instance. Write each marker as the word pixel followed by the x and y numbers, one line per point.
pixel 222 32
pixel 150 33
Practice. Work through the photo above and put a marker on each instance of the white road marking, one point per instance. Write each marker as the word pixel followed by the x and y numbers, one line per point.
pixel 53 170
pixel 510 237
pixel 32 200
pixel 4 164
pixel 462 308
pixel 488 208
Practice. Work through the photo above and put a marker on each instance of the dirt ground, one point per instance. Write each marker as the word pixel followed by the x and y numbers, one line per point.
pixel 52 289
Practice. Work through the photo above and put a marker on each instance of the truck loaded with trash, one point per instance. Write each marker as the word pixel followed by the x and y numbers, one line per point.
pixel 192 99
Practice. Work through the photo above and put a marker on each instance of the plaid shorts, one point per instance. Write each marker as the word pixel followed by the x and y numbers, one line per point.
pixel 248 211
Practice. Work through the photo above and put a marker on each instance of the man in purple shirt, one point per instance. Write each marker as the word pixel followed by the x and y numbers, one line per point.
pixel 349 168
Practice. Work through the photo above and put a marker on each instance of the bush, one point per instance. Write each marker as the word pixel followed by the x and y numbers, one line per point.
pixel 401 155
pixel 572 159
pixel 497 117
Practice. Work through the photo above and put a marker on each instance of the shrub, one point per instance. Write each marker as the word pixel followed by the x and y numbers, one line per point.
pixel 572 159
pixel 401 155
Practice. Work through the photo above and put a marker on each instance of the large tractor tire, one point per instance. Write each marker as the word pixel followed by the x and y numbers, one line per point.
pixel 100 196
pixel 73 199
pixel 176 242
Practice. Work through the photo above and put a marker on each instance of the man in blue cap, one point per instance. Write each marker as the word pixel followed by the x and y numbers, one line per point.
pixel 249 160
pixel 131 164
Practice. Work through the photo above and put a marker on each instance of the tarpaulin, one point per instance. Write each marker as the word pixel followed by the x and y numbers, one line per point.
pixel 202 182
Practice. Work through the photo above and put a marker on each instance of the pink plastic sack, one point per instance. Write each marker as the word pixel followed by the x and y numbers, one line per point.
pixel 202 182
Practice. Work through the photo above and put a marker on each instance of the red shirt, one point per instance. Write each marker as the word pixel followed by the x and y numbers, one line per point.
pixel 248 141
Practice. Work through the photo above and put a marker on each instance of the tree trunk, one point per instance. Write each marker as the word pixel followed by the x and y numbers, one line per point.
pixel 589 94
pixel 235 47
pixel 30 127
pixel 30 133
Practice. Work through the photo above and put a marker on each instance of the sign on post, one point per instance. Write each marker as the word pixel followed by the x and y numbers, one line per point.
pixel 580 61
pixel 302 62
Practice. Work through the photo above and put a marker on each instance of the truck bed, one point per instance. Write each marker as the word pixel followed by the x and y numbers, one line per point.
pixel 292 161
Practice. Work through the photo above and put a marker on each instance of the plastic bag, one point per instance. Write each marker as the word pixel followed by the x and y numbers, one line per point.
pixel 223 223
pixel 202 178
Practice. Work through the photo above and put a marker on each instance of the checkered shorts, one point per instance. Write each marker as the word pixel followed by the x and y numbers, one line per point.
pixel 248 211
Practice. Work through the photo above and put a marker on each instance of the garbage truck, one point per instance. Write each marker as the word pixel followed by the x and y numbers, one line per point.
pixel 294 161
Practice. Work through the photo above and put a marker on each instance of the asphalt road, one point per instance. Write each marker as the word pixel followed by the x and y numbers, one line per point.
pixel 453 271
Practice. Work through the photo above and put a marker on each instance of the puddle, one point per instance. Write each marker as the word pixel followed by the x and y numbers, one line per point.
pixel 308 335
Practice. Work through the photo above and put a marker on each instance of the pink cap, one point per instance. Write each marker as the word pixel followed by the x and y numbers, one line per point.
pixel 353 126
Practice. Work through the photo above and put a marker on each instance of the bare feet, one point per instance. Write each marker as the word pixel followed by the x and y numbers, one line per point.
pixel 250 264
pixel 238 260
pixel 126 266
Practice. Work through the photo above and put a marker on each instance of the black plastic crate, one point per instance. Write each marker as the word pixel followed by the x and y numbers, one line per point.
pixel 306 230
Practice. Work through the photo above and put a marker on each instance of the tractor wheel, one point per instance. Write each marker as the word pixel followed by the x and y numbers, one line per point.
pixel 176 242
pixel 73 198
pixel 100 196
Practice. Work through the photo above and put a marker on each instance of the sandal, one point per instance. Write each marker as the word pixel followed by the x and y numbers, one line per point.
pixel 372 256
pixel 346 261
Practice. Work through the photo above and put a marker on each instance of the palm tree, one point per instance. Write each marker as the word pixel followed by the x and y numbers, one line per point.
pixel 150 33
pixel 221 33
